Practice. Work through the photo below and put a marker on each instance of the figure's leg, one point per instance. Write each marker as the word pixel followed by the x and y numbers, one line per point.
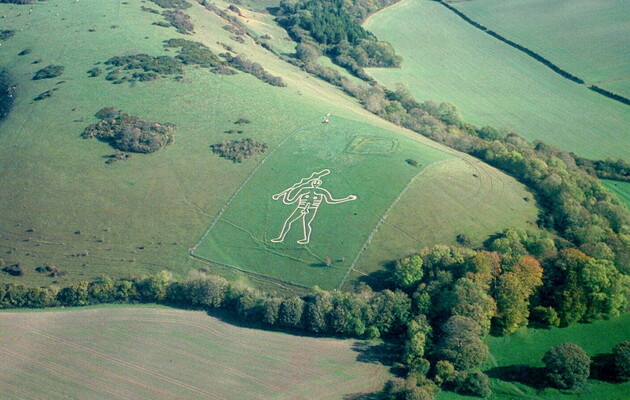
pixel 307 226
pixel 297 213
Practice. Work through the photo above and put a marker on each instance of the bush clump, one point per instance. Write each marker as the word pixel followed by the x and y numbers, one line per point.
pixel 193 53
pixel 178 4
pixel 130 133
pixel 141 67
pixel 51 71
pixel 242 63
pixel 6 34
pixel 45 95
pixel 239 149
pixel 14 270
pixel 180 21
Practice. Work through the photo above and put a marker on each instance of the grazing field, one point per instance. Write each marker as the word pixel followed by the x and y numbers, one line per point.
pixel 446 59
pixel 64 206
pixel 527 347
pixel 143 353
pixel 621 189
pixel 587 38
pixel 248 233
pixel 432 202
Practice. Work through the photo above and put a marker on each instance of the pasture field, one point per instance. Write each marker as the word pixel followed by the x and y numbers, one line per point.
pixel 242 236
pixel 142 353
pixel 587 38
pixel 446 59
pixel 62 205
pixel 527 347
pixel 433 203
pixel 621 189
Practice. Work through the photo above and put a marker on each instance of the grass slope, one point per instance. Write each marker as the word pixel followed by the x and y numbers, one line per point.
pixel 434 205
pixel 63 205
pixel 621 189
pixel 241 237
pixel 164 353
pixel 446 59
pixel 527 347
pixel 597 51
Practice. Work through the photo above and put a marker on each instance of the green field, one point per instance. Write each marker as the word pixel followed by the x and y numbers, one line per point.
pixel 446 59
pixel 143 353
pixel 62 205
pixel 598 52
pixel 241 237
pixel 621 189
pixel 527 347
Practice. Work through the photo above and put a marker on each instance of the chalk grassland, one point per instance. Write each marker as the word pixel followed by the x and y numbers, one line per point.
pixel 621 189
pixel 587 38
pixel 62 205
pixel 241 237
pixel 446 59
pixel 434 204
pixel 528 346
pixel 143 353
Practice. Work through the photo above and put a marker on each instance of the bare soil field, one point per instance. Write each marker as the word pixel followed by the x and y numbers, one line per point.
pixel 150 352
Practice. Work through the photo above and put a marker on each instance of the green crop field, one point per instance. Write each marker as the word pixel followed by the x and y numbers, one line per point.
pixel 143 353
pixel 527 347
pixel 446 59
pixel 621 189
pixel 598 51
pixel 63 206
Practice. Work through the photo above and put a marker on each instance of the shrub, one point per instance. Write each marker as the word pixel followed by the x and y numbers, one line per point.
pixel 178 4
pixel 130 133
pixel 241 63
pixel 239 149
pixel 193 53
pixel 96 71
pixel 14 270
pixel 25 52
pixel 6 34
pixel 180 21
pixel 472 383
pixel 51 71
pixel 567 366
pixel 45 95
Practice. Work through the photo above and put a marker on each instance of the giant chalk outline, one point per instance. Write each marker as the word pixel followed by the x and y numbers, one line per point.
pixel 309 197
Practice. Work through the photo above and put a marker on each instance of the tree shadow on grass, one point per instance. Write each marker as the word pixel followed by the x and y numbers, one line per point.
pixel 385 353
pixel 530 376
pixel 603 368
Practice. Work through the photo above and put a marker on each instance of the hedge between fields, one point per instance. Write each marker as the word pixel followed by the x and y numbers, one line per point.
pixel 535 56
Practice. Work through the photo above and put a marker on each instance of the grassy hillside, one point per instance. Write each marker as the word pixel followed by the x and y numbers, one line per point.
pixel 598 51
pixel 64 206
pixel 446 59
pixel 163 353
pixel 527 347
pixel 621 189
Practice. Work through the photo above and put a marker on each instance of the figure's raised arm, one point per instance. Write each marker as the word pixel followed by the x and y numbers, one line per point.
pixel 331 200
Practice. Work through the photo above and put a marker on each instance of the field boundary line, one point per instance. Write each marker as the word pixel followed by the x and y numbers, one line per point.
pixel 532 54
pixel 258 274
pixel 386 214
pixel 242 185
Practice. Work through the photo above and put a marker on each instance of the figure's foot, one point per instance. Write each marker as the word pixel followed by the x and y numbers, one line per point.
pixel 277 240
pixel 303 241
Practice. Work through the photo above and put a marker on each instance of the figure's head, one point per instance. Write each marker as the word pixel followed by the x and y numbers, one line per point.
pixel 316 182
